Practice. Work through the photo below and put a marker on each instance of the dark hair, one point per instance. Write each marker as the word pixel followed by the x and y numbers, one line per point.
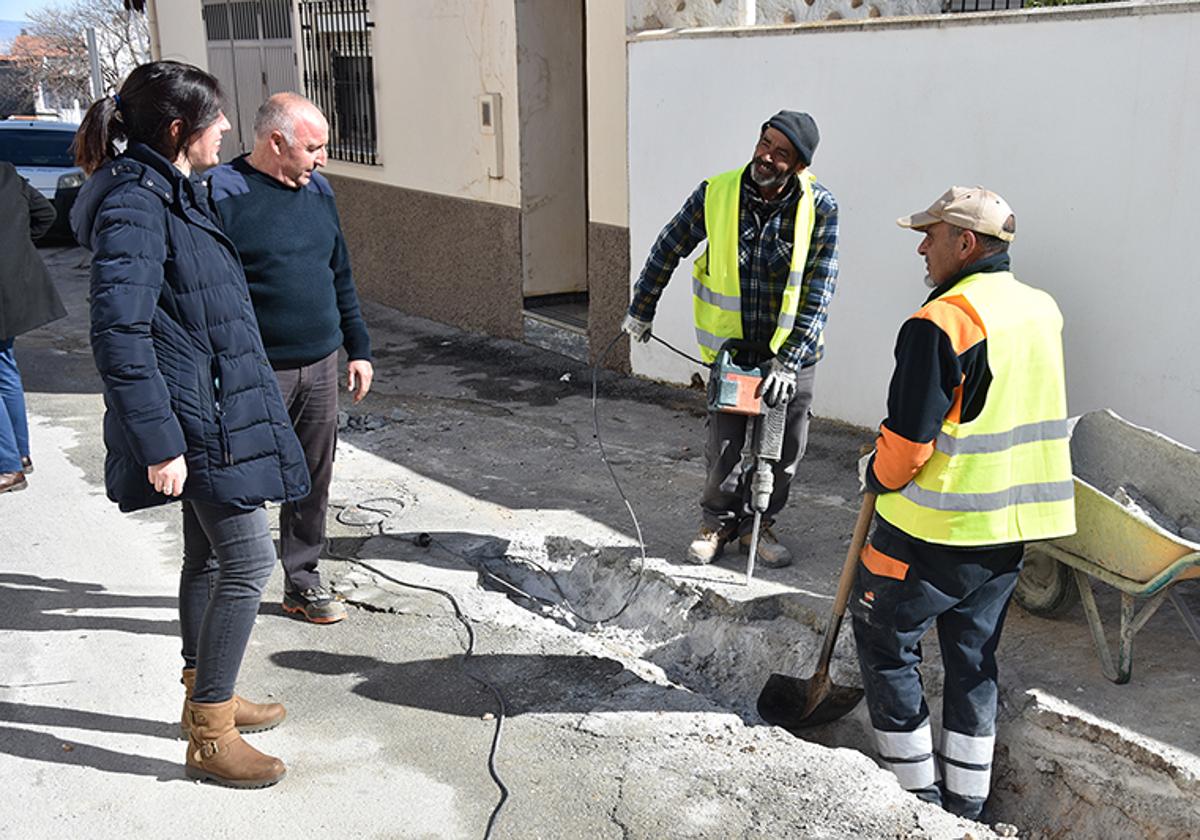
pixel 152 97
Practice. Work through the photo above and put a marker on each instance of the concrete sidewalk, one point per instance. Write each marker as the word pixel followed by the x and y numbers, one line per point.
pixel 387 736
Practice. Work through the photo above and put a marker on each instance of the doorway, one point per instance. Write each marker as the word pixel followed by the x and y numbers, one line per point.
pixel 552 110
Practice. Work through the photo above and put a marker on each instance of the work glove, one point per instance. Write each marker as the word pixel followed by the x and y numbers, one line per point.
pixel 779 386
pixel 636 328
pixel 863 463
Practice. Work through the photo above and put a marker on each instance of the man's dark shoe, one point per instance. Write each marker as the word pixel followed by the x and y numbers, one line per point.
pixel 316 605
pixel 12 481
pixel 26 464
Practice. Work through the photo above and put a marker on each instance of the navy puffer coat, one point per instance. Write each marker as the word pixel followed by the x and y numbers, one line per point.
pixel 177 345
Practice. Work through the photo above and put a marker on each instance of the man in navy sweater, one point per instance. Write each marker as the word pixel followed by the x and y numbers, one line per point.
pixel 280 213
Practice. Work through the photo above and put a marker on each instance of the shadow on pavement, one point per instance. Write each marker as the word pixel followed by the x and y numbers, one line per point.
pixel 29 602
pixel 530 683
pixel 41 746
pixel 79 719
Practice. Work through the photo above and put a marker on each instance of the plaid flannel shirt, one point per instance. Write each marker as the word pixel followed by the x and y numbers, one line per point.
pixel 764 263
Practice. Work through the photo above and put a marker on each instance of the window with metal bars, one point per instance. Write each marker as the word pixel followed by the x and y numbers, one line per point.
pixel 339 74
pixel 247 20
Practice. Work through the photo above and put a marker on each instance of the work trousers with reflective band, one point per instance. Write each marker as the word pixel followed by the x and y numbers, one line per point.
pixel 904 586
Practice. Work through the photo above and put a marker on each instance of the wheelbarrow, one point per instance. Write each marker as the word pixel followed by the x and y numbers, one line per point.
pixel 1137 512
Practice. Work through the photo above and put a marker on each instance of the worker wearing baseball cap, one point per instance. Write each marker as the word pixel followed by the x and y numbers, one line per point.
pixel 972 462
pixel 766 278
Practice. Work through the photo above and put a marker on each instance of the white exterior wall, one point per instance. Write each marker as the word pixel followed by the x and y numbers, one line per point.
pixel 1086 121
pixel 433 59
pixel 180 31
pixel 608 174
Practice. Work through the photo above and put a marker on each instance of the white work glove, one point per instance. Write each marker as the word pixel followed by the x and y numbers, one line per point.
pixel 636 328
pixel 779 386
pixel 863 463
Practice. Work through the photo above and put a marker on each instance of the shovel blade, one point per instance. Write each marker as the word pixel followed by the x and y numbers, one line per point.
pixel 785 702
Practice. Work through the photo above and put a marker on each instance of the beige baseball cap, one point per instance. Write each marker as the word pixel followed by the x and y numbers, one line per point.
pixel 972 208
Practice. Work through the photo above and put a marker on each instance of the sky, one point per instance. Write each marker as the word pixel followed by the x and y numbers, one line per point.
pixel 18 9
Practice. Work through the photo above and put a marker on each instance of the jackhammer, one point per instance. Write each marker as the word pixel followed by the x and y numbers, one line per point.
pixel 735 387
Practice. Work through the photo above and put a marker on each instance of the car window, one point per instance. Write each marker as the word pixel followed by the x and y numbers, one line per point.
pixel 37 147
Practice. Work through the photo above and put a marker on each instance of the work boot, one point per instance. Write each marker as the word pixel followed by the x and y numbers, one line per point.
pixel 247 717
pixel 771 552
pixel 217 753
pixel 316 605
pixel 707 546
pixel 12 481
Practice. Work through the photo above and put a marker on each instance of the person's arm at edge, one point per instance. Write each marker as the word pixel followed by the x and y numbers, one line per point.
pixel 41 211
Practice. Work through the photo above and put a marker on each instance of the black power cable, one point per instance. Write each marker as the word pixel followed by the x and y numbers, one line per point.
pixel 424 540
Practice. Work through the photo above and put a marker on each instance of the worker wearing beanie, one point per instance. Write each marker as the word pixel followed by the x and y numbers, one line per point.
pixel 972 462
pixel 767 277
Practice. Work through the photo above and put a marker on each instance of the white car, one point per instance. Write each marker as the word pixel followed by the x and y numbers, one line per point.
pixel 41 152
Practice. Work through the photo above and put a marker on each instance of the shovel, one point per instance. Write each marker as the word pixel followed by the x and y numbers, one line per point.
pixel 793 703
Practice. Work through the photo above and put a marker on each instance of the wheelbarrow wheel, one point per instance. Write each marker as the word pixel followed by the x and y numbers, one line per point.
pixel 1045 587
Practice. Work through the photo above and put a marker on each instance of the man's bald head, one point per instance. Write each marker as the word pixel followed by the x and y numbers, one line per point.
pixel 281 112
pixel 290 139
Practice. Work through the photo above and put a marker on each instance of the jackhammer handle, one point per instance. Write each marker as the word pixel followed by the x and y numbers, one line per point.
pixel 845 584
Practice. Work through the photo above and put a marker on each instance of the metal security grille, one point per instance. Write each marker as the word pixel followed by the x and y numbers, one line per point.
pixel 339 74
pixel 216 22
pixel 252 53
pixel 983 5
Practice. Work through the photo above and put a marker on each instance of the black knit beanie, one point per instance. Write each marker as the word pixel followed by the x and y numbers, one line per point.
pixel 799 129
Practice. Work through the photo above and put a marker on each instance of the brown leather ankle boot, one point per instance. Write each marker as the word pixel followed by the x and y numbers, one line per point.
pixel 217 753
pixel 248 717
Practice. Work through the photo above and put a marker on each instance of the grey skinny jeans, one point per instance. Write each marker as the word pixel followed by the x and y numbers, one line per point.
pixel 228 556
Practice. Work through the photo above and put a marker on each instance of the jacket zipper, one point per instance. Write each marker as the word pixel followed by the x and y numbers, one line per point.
pixel 226 449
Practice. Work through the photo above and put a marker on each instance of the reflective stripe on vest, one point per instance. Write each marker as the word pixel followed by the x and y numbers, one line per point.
pixel 716 279
pixel 1004 476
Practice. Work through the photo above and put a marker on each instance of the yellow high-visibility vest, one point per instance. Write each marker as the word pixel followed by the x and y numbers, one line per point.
pixel 716 281
pixel 1004 476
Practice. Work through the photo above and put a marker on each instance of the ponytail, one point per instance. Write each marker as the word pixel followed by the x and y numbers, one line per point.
pixel 153 97
pixel 95 139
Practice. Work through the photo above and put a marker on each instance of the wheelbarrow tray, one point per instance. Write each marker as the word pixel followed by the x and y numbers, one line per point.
pixel 1137 550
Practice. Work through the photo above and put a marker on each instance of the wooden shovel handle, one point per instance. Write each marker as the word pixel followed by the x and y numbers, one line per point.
pixel 846 582
pixel 819 683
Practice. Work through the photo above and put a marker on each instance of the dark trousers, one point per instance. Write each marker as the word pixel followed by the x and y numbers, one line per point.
pixel 310 393
pixel 725 503
pixel 966 592
pixel 227 559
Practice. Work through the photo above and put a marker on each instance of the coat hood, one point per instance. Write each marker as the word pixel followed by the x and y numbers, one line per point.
pixel 138 165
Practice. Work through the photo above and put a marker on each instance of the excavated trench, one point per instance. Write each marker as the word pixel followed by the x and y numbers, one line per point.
pixel 1058 772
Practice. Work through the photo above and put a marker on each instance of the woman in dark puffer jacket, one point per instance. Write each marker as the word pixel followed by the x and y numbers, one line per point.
pixel 193 410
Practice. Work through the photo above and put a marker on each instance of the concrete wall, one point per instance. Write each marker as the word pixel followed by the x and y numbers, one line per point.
pixel 180 31
pixel 1084 120
pixel 607 177
pixel 667 14
pixel 433 58
pixel 414 246
pixel 608 186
